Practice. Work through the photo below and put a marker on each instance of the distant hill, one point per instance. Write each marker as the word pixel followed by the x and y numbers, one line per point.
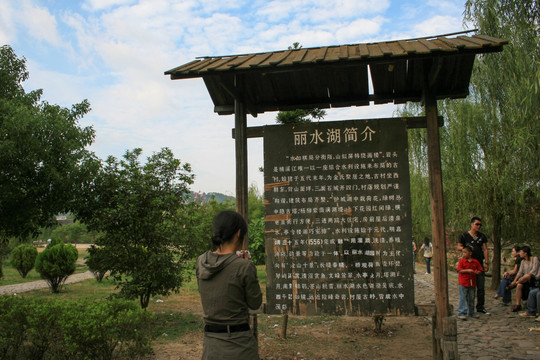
pixel 206 197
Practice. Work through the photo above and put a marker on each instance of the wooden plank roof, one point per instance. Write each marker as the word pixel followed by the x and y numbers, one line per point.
pixel 337 76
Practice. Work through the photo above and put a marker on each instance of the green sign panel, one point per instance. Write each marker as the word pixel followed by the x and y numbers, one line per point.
pixel 338 220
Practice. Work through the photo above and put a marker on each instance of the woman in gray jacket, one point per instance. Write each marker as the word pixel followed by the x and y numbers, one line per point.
pixel 228 286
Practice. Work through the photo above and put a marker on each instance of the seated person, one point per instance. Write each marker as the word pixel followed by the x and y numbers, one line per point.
pixel 508 277
pixel 533 304
pixel 525 277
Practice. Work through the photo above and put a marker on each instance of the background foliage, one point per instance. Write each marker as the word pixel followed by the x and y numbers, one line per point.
pixel 135 208
pixel 53 329
pixel 489 144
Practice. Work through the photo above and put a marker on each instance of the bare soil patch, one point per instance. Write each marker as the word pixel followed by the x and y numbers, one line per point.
pixel 310 338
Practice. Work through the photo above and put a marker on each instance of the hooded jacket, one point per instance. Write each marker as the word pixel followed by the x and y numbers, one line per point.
pixel 228 286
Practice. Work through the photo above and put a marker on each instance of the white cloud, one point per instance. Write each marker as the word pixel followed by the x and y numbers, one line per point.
pixel 97 5
pixel 40 23
pixel 437 25
pixel 7 27
pixel 317 11
pixel 118 50
pixel 359 29
pixel 446 6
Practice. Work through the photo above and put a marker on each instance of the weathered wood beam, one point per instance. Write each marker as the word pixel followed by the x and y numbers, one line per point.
pixel 240 122
pixel 437 214
pixel 413 122
pixel 233 91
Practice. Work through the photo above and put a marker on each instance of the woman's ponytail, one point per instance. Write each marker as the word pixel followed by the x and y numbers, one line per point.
pixel 226 225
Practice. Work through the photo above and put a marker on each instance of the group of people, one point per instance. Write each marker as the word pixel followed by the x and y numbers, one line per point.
pixel 524 276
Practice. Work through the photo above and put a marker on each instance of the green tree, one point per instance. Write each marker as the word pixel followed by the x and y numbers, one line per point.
pixel 56 263
pixel 98 264
pixel 43 160
pixel 489 145
pixel 256 225
pixel 299 116
pixel 134 207
pixel 255 204
pixel 196 218
pixel 502 117
pixel 419 177
pixel 256 240
pixel 76 233
pixel 23 258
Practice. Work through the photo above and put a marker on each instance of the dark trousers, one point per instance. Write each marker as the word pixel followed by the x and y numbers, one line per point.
pixel 506 294
pixel 480 291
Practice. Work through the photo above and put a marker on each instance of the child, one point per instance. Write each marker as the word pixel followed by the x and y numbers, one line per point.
pixel 467 268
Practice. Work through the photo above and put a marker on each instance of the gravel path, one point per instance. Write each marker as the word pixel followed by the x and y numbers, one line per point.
pixel 41 284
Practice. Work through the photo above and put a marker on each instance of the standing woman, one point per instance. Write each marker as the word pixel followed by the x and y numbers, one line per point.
pixel 525 276
pixel 428 253
pixel 508 277
pixel 228 286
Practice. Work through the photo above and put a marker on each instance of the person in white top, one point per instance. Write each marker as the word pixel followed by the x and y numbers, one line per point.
pixel 428 253
pixel 525 278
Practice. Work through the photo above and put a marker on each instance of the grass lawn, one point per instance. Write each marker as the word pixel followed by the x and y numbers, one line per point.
pixel 174 315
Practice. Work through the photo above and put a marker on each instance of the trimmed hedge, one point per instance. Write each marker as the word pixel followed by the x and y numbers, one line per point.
pixel 54 329
pixel 23 258
pixel 56 263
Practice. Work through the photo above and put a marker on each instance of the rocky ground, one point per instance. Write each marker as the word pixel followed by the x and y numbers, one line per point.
pixel 500 335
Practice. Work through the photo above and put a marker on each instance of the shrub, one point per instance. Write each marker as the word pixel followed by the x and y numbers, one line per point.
pixel 23 258
pixel 105 330
pixel 12 326
pixel 56 263
pixel 55 329
pixel 97 262
pixel 256 241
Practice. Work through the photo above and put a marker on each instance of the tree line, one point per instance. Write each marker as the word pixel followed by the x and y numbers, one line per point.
pixel 490 140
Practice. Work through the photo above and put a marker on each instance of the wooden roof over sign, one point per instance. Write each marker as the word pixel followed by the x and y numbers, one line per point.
pixel 337 76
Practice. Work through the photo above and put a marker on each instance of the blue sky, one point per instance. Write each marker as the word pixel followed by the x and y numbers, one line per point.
pixel 114 53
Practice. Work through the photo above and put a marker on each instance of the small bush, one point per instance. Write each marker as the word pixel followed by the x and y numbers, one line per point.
pixel 256 241
pixel 97 262
pixel 12 326
pixel 56 263
pixel 55 329
pixel 23 258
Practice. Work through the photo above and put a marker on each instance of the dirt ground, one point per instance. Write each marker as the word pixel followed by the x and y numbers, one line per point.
pixel 310 338
pixel 335 338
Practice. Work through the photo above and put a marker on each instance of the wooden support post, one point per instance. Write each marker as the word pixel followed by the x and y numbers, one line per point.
pixel 437 213
pixel 240 124
pixel 449 339
pixel 284 327
pixel 434 340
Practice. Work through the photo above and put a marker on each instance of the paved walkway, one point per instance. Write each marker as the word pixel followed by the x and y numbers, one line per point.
pixel 500 335
pixel 41 284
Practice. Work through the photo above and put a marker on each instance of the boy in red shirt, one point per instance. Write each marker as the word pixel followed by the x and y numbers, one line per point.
pixel 467 269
